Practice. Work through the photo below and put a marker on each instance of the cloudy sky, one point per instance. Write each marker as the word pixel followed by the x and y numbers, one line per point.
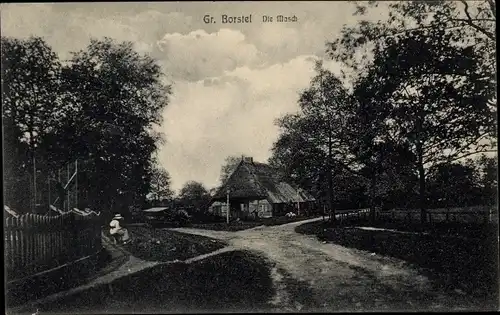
pixel 230 81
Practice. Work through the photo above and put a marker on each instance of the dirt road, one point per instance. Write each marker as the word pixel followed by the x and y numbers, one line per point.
pixel 313 275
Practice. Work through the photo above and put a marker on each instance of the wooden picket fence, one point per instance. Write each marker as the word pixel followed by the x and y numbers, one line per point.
pixel 35 243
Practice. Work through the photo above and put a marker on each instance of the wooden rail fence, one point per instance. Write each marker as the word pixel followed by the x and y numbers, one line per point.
pixel 35 243
pixel 476 214
pixel 358 214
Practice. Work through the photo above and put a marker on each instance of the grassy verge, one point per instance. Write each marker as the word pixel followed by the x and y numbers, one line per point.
pixel 244 225
pixel 164 245
pixel 56 281
pixel 233 281
pixel 456 257
pixel 223 226
pixel 284 220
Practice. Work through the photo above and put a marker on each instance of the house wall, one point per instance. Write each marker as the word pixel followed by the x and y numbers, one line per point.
pixel 218 208
pixel 262 207
pixel 280 209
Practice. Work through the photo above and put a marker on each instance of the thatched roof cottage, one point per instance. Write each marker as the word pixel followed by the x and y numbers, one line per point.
pixel 258 190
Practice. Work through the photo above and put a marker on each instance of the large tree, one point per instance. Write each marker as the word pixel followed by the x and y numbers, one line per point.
pixel 488 178
pixel 117 96
pixel 320 127
pixel 160 185
pixel 99 108
pixel 31 108
pixel 467 22
pixel 454 185
pixel 429 72
pixel 194 196
pixel 438 102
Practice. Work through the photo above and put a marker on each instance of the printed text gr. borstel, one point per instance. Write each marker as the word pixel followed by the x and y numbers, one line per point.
pixel 246 19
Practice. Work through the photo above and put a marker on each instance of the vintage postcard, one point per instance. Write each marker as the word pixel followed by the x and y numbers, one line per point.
pixel 208 157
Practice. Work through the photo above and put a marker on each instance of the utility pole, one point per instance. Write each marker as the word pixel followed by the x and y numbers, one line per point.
pixel 227 203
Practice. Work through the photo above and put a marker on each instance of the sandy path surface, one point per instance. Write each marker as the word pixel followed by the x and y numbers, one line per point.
pixel 313 275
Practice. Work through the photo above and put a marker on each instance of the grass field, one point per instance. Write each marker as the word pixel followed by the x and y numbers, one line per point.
pixel 233 281
pixel 164 245
pixel 284 220
pixel 234 226
pixel 456 256
pixel 56 281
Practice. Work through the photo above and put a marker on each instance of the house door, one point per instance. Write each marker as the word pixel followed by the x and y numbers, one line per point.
pixel 245 210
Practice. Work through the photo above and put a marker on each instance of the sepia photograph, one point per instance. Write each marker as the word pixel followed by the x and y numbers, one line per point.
pixel 250 157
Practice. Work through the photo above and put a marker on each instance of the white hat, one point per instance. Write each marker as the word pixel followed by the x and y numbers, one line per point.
pixel 118 216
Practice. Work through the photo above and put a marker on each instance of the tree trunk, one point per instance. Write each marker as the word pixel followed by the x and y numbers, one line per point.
pixel 420 165
pixel 33 165
pixel 373 183
pixel 421 188
pixel 330 181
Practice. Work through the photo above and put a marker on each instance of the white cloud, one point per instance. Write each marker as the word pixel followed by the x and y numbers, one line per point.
pixel 233 114
pixel 73 30
pixel 229 84
pixel 198 54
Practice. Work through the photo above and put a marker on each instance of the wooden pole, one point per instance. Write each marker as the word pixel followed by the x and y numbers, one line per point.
pixel 58 194
pixel 258 209
pixel 34 183
pixel 298 202
pixel 227 210
pixel 67 190
pixel 48 184
pixel 76 183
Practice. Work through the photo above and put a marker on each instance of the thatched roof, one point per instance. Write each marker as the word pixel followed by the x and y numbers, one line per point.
pixel 260 181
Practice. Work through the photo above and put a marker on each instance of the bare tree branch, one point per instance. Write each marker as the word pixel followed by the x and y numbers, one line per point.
pixel 447 161
pixel 470 22
pixel 493 7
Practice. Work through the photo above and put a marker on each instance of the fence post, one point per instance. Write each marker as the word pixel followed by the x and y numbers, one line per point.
pixel 17 244
pixel 22 240
pixel 36 243
pixel 31 223
pixel 8 243
pixel 46 256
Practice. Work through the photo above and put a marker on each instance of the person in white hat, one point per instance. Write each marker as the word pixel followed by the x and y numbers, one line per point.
pixel 117 231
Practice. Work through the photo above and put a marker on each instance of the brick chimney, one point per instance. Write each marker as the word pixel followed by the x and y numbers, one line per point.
pixel 247 159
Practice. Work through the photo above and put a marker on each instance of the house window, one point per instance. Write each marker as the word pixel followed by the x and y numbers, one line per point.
pixel 217 209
